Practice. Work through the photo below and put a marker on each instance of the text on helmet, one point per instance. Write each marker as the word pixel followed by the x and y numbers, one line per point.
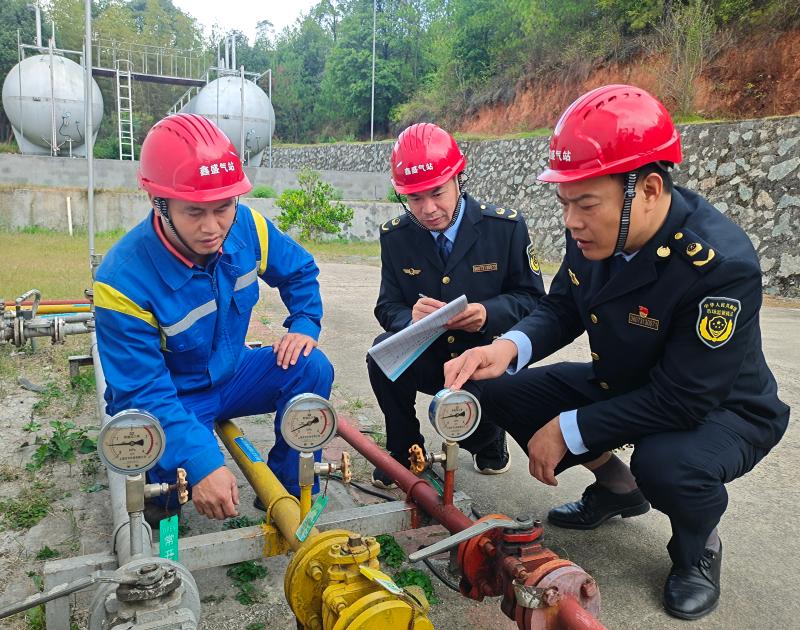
pixel 564 156
pixel 214 169
pixel 413 170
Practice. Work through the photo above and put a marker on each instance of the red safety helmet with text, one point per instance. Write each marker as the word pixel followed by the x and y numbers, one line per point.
pixel 612 129
pixel 425 156
pixel 186 156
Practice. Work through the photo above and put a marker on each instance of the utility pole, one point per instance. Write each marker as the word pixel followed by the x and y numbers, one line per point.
pixel 372 115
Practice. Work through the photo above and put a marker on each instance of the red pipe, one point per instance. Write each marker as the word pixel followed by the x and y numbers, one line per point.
pixel 572 616
pixel 417 490
pixel 449 487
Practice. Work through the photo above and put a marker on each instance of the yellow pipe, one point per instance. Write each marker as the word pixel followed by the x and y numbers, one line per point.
pixel 50 309
pixel 305 500
pixel 283 509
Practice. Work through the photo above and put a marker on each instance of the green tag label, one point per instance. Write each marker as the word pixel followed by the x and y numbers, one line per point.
pixel 168 538
pixel 312 517
pixel 379 577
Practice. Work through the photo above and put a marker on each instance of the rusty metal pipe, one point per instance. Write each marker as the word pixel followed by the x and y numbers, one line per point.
pixel 572 616
pixel 417 490
pixel 449 487
pixel 30 302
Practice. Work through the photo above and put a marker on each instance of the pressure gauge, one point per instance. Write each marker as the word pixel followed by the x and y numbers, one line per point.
pixel 309 423
pixel 131 442
pixel 454 414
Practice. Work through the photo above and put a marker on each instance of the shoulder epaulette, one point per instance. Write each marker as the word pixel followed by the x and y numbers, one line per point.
pixel 489 210
pixel 697 252
pixel 395 223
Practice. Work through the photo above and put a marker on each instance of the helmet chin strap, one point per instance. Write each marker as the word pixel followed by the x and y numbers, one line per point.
pixel 160 204
pixel 625 217
pixel 460 180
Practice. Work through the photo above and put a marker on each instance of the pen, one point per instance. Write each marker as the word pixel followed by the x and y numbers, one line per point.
pixel 422 295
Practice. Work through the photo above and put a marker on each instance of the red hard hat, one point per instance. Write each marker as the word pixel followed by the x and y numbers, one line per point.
pixel 612 129
pixel 425 156
pixel 186 156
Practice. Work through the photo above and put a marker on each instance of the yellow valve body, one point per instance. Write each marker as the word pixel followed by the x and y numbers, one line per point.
pixel 326 589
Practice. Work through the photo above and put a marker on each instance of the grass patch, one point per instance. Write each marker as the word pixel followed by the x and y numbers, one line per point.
pixel 45 553
pixel 237 522
pixel 28 508
pixel 64 444
pixel 8 473
pixel 51 393
pixel 391 553
pixel 53 262
pixel 243 575
pixel 263 192
pixel 341 248
pixel 415 577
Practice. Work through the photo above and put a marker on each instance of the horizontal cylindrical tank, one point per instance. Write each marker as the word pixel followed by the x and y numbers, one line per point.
pixel 221 102
pixel 30 110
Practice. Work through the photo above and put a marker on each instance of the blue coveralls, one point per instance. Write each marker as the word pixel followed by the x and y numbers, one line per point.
pixel 171 339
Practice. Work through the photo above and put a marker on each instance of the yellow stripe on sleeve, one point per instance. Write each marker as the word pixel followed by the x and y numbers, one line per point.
pixel 263 239
pixel 106 296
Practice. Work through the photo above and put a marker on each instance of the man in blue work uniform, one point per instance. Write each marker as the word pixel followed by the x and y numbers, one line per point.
pixel 669 292
pixel 173 301
pixel 445 245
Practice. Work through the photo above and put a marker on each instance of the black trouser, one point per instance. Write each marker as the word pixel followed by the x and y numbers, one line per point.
pixel 397 401
pixel 682 473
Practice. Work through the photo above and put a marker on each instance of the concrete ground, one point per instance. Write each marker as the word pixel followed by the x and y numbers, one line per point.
pixel 627 557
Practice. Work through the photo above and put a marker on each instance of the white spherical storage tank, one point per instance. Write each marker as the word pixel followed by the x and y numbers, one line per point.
pixel 221 102
pixel 31 109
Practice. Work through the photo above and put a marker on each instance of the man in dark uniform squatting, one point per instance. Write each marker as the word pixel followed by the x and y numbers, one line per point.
pixel 447 244
pixel 669 291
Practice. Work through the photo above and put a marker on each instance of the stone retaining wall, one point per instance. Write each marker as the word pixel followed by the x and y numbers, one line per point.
pixel 750 170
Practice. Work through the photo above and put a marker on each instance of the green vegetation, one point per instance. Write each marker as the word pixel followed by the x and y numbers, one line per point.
pixel 238 522
pixel 391 553
pixel 415 577
pixel 64 444
pixel 243 575
pixel 45 553
pixel 435 60
pixel 29 507
pixel 263 192
pixel 311 210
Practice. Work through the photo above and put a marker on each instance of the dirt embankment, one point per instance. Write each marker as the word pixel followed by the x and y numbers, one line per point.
pixel 753 77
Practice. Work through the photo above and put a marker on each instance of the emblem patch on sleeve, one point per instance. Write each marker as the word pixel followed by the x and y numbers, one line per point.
pixel 533 260
pixel 717 320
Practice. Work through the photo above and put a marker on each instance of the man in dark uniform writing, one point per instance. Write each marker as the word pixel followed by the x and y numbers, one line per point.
pixel 669 292
pixel 447 244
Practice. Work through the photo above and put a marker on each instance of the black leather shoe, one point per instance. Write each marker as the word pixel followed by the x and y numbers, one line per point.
pixel 596 506
pixel 694 592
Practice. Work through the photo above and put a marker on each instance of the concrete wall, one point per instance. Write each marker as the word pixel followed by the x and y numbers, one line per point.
pixel 47 172
pixel 47 208
pixel 750 170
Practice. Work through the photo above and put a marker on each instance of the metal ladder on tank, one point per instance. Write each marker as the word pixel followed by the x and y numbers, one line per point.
pixel 125 110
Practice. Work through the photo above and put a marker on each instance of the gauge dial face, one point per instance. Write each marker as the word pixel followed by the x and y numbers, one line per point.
pixel 454 414
pixel 309 423
pixel 131 442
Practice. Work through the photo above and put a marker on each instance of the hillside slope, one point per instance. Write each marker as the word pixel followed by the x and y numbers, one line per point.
pixel 754 77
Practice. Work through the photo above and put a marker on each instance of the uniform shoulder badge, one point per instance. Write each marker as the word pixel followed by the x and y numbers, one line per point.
pixel 394 223
pixel 693 249
pixel 489 210
pixel 716 320
pixel 533 261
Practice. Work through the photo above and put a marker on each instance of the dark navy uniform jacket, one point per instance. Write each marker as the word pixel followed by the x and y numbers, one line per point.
pixel 675 337
pixel 492 262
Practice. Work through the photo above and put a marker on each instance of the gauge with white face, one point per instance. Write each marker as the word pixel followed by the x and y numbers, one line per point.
pixel 131 442
pixel 309 423
pixel 454 414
